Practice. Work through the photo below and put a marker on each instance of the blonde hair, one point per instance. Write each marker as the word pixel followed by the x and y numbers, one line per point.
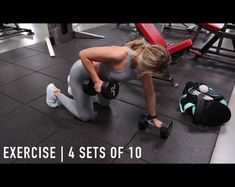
pixel 155 59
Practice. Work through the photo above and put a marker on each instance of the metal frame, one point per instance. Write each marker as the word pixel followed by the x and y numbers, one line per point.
pixel 187 28
pixel 168 78
pixel 10 31
pixel 217 36
pixel 86 35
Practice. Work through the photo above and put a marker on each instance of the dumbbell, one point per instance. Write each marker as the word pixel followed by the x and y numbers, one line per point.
pixel 145 122
pixel 109 90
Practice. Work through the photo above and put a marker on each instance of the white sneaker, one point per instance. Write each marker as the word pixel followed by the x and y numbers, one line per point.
pixel 70 91
pixel 68 79
pixel 51 100
pixel 69 87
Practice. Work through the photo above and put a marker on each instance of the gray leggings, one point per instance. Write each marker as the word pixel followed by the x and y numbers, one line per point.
pixel 82 105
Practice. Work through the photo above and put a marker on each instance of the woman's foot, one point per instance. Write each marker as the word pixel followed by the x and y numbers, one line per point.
pixel 51 99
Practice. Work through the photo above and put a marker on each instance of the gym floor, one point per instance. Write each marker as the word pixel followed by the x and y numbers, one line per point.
pixel 26 120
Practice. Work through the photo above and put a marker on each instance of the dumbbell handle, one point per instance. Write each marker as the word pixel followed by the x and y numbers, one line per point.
pixel 148 119
pixel 149 122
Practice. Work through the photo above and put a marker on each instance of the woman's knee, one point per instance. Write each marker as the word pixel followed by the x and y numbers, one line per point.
pixel 86 117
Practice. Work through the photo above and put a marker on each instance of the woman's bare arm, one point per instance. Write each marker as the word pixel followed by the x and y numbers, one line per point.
pixel 150 97
pixel 112 54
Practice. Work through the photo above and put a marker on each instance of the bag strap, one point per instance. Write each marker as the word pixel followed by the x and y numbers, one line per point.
pixel 199 108
pixel 224 102
pixel 185 107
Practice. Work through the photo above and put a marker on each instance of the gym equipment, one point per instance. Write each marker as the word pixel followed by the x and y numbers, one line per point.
pixel 128 25
pixel 78 34
pixel 60 33
pixel 208 107
pixel 109 90
pixel 50 48
pixel 10 31
pixel 151 34
pixel 186 28
pixel 219 34
pixel 144 122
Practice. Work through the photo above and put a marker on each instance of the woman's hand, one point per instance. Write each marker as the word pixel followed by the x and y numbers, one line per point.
pixel 98 86
pixel 157 123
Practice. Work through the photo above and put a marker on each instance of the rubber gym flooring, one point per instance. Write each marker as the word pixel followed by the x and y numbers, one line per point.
pixel 26 120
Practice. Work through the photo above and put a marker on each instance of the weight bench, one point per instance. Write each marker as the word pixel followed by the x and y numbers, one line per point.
pixel 219 34
pixel 152 36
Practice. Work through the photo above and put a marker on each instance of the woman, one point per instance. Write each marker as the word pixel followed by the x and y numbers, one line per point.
pixel 135 60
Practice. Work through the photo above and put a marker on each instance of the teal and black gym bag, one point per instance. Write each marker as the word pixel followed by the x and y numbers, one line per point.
pixel 204 104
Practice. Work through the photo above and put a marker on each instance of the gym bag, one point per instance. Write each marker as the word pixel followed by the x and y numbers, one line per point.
pixel 205 105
